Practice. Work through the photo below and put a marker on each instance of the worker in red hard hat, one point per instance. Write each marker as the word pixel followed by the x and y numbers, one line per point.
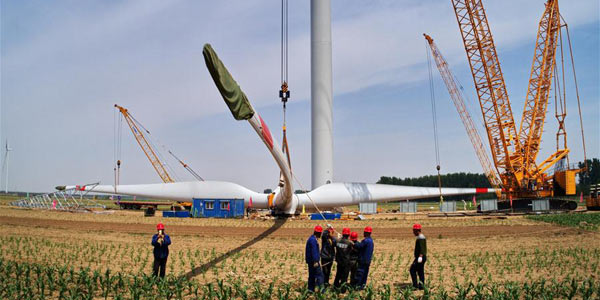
pixel 418 265
pixel 327 253
pixel 353 258
pixel 312 256
pixel 161 242
pixel 365 255
pixel 342 258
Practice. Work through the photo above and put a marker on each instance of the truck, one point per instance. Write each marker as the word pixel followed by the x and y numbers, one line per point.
pixel 593 201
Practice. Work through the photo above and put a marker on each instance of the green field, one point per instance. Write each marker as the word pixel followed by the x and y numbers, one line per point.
pixel 38 281
pixel 590 221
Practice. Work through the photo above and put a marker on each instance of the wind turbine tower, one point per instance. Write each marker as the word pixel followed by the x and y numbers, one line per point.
pixel 321 93
pixel 7 149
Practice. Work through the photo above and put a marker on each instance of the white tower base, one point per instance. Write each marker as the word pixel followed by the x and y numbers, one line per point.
pixel 321 93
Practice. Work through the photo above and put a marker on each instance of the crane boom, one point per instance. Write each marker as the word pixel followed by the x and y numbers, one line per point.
pixel 515 154
pixel 491 90
pixel 143 142
pixel 540 82
pixel 465 117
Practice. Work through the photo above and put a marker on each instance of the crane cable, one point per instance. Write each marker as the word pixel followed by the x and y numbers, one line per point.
pixel 117 130
pixel 560 98
pixel 434 116
pixel 310 199
pixel 284 92
pixel 152 143
pixel 164 147
pixel 577 93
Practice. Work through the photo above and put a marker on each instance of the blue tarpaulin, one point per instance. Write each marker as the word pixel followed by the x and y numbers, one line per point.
pixel 328 216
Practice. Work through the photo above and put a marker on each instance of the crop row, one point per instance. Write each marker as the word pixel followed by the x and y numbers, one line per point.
pixel 252 264
pixel 589 221
pixel 38 281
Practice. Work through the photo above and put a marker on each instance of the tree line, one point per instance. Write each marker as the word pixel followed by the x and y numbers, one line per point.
pixel 478 180
pixel 592 176
pixel 464 180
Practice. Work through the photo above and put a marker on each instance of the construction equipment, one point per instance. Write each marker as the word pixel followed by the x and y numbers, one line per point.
pixel 143 142
pixel 593 201
pixel 151 153
pixel 465 117
pixel 138 205
pixel 514 152
pixel 63 199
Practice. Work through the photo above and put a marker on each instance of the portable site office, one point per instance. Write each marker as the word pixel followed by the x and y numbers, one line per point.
pixel 218 208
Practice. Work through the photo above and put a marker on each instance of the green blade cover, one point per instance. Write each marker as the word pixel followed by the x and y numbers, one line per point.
pixel 232 93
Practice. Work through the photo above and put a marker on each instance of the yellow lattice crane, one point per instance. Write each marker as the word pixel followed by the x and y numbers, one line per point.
pixel 514 152
pixel 465 117
pixel 143 142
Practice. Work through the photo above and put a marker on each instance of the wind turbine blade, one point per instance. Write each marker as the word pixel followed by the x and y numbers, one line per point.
pixel 242 109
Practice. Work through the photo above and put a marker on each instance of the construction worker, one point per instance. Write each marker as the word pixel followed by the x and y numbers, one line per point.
pixel 161 242
pixel 342 258
pixel 418 265
pixel 365 254
pixel 327 253
pixel 353 258
pixel 315 274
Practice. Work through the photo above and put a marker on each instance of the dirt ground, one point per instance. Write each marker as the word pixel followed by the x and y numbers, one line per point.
pixel 228 231
pixel 459 248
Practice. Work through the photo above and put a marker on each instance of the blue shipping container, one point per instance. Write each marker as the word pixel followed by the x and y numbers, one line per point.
pixel 176 214
pixel 218 208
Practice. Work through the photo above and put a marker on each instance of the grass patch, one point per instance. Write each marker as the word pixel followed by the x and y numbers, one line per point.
pixel 583 221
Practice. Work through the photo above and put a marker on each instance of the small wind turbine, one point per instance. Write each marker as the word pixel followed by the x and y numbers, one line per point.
pixel 7 149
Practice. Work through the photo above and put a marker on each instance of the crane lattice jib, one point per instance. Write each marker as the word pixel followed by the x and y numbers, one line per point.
pixel 491 90
pixel 540 82
pixel 465 117
pixel 141 139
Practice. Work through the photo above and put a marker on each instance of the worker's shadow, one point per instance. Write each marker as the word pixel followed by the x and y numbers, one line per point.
pixel 402 285
pixel 203 268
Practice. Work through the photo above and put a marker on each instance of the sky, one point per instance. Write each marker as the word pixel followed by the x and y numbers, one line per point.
pixel 64 64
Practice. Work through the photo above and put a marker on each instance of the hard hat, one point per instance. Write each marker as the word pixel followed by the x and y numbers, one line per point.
pixel 417 226
pixel 368 229
pixel 346 231
pixel 160 226
pixel 318 228
pixel 354 236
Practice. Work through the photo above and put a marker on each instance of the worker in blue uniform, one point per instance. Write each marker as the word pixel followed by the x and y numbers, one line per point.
pixel 313 258
pixel 161 242
pixel 365 254
pixel 353 258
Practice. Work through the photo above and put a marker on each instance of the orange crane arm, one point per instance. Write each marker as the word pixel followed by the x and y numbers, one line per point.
pixel 465 117
pixel 139 137
pixel 540 82
pixel 491 90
